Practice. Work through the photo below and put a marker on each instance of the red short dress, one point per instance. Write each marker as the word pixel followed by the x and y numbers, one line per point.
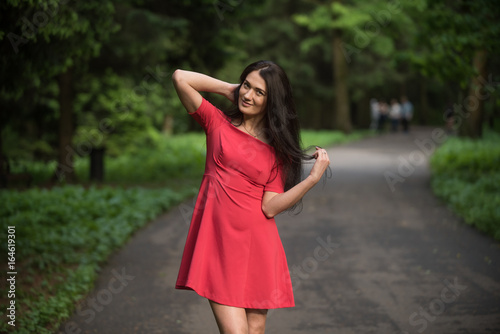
pixel 233 253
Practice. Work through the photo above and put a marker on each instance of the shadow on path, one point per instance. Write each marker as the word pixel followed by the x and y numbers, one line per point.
pixel 366 256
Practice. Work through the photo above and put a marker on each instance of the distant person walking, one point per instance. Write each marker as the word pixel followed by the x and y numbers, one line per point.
pixel 395 115
pixel 383 110
pixel 406 113
pixel 375 114
pixel 233 254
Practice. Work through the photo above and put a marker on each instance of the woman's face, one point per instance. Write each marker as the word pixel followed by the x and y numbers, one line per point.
pixel 253 95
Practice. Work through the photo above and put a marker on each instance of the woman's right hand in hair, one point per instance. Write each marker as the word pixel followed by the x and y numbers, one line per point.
pixel 188 85
pixel 321 164
pixel 230 94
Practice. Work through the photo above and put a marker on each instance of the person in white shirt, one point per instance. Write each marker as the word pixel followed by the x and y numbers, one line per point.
pixel 395 115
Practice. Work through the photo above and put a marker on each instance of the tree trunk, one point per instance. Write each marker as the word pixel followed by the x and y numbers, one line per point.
pixel 342 117
pixel 64 169
pixel 472 125
pixel 1 142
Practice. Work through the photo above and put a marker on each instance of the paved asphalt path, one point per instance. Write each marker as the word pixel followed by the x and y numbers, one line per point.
pixel 364 258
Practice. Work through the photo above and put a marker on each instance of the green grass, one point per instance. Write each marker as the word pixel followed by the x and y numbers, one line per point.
pixel 62 236
pixel 325 138
pixel 466 174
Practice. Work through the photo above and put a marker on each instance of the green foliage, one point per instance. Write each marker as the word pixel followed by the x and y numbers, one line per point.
pixel 121 95
pixel 334 15
pixel 42 38
pixel 163 160
pixel 151 158
pixel 63 235
pixel 391 45
pixel 468 158
pixel 116 113
pixel 466 174
pixel 450 34
pixel 372 40
pixel 326 138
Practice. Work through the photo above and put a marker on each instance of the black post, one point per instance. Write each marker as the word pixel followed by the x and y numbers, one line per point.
pixel 97 164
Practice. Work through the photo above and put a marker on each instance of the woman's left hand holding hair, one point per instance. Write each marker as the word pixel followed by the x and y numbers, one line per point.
pixel 321 164
pixel 274 203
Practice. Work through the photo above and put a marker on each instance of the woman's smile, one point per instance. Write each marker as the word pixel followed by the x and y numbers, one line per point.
pixel 245 103
pixel 253 95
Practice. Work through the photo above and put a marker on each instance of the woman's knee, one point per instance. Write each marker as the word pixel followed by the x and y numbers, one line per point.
pixel 234 330
pixel 256 328
pixel 256 321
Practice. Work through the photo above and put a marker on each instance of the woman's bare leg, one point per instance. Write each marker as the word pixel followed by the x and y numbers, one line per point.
pixel 231 320
pixel 237 320
pixel 256 319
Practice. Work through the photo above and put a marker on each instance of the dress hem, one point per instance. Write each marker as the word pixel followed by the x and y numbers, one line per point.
pixel 222 302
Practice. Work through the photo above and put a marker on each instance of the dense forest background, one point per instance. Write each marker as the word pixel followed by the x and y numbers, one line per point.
pixel 82 75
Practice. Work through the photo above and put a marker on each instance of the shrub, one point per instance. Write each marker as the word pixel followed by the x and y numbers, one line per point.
pixel 466 174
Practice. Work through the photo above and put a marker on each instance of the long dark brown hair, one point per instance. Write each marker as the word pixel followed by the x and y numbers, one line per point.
pixel 281 124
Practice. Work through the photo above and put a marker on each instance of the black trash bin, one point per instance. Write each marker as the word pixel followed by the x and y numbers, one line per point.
pixel 97 164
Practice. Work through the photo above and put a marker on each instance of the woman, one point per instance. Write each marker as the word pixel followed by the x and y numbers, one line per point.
pixel 233 254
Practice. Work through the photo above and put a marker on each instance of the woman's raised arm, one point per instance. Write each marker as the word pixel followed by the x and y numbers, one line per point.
pixel 188 85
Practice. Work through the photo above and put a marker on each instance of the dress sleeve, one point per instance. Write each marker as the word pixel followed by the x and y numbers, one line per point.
pixel 275 182
pixel 208 116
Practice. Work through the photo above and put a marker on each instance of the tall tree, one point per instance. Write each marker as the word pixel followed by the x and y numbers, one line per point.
pixel 45 39
pixel 324 17
pixel 474 126
pixel 342 110
pixel 453 45
pixel 367 39
pixel 484 32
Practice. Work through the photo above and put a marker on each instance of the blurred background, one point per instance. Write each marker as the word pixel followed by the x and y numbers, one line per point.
pixel 94 142
pixel 78 76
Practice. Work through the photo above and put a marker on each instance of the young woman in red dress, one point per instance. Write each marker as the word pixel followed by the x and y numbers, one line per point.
pixel 233 254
